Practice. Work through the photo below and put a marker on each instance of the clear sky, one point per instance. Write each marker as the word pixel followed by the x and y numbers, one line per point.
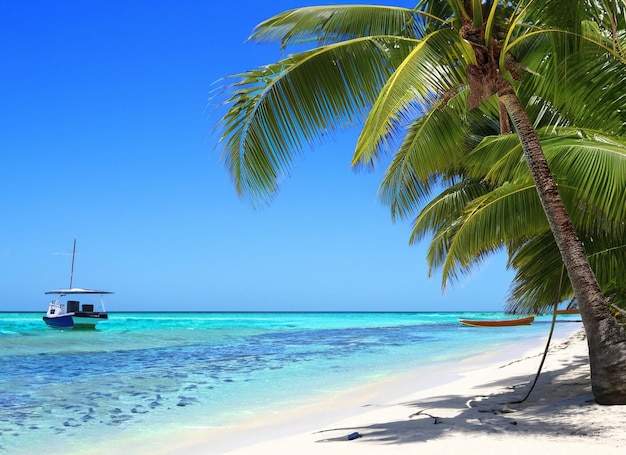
pixel 106 134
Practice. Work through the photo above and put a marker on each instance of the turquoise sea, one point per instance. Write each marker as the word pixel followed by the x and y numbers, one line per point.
pixel 137 374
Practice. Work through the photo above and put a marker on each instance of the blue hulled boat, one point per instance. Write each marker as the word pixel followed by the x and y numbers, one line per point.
pixel 67 312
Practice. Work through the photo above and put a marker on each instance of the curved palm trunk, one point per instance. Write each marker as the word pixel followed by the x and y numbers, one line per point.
pixel 606 338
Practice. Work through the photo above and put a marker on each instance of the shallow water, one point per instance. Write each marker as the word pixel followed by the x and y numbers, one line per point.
pixel 138 373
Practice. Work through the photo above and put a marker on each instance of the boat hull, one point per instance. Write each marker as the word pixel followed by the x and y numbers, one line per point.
pixel 59 322
pixel 497 322
pixel 76 320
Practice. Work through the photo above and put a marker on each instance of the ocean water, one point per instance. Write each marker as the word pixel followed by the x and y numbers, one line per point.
pixel 150 374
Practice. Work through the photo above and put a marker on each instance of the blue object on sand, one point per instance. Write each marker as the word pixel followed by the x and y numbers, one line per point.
pixel 354 435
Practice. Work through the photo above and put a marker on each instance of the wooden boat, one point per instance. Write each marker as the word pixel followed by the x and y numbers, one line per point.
pixel 572 311
pixel 497 322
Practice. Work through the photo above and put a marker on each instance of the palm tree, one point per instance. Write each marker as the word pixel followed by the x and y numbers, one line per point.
pixel 395 66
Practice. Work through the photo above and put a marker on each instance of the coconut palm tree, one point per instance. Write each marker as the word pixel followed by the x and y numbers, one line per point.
pixel 582 155
pixel 393 66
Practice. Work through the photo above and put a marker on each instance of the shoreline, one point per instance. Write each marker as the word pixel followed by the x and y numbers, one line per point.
pixel 442 409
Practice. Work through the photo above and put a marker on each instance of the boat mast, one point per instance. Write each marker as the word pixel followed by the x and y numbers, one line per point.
pixel 72 269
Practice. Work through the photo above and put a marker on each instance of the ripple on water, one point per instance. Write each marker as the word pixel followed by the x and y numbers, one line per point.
pixel 96 385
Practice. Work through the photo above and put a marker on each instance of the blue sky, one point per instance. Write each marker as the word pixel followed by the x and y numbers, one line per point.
pixel 106 134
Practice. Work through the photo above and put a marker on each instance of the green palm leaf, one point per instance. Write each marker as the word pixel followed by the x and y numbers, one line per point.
pixel 539 282
pixel 284 107
pixel 591 163
pixel 434 69
pixel 329 24
pixel 433 147
pixel 596 169
pixel 481 229
pixel 540 279
pixel 443 217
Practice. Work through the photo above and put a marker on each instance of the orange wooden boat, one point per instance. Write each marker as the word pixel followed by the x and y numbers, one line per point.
pixel 574 311
pixel 497 322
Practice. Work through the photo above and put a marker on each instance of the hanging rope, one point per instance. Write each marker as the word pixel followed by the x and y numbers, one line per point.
pixel 545 351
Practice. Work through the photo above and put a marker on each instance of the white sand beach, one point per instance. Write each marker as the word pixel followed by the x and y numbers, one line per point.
pixel 469 407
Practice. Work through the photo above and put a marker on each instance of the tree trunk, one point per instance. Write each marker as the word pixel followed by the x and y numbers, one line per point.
pixel 606 338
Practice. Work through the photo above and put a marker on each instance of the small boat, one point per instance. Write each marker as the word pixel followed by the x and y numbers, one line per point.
pixel 570 311
pixel 66 311
pixel 497 322
pixel 69 314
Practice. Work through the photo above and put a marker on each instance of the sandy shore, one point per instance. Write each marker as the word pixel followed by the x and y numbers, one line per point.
pixel 465 408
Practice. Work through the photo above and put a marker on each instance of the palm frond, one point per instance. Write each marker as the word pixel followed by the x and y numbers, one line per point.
pixel 441 217
pixel 498 159
pixel 467 226
pixel 539 281
pixel 591 175
pixel 590 163
pixel 489 222
pixel 607 256
pixel 574 62
pixel 434 69
pixel 595 169
pixel 324 25
pixel 588 95
pixel 433 148
pixel 276 111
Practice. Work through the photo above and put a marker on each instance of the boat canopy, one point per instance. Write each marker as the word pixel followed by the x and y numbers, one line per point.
pixel 77 291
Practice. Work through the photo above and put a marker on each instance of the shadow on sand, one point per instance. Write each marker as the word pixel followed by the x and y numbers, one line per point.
pixel 562 396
